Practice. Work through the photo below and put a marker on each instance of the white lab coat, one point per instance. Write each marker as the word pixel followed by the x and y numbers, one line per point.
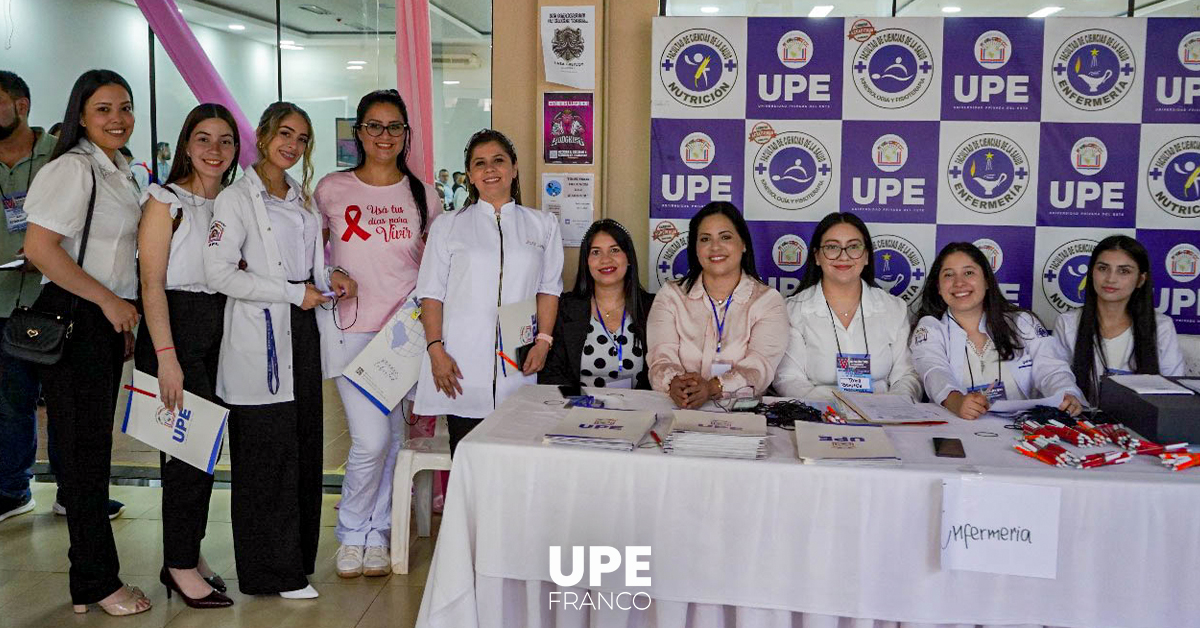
pixel 462 269
pixel 1170 357
pixel 808 370
pixel 241 230
pixel 939 353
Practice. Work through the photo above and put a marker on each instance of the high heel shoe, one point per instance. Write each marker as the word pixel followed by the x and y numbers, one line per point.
pixel 126 606
pixel 216 583
pixel 216 599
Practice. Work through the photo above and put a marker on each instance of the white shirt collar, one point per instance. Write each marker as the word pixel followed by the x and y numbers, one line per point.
pixel 107 166
pixel 813 300
pixel 293 185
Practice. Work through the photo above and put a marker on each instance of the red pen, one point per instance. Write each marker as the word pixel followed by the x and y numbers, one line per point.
pixel 658 440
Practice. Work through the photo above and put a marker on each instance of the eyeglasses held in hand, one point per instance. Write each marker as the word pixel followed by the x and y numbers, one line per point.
pixel 833 251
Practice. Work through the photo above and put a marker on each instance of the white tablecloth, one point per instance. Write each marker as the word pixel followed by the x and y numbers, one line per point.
pixel 778 543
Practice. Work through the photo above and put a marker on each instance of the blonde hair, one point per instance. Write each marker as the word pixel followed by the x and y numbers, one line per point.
pixel 268 128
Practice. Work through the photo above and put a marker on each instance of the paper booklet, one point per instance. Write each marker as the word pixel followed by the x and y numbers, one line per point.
pixel 601 429
pixel 884 408
pixel 1150 385
pixel 717 434
pixel 518 327
pixel 828 443
pixel 388 367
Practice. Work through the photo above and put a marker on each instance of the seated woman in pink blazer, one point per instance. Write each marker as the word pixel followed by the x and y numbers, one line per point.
pixel 718 331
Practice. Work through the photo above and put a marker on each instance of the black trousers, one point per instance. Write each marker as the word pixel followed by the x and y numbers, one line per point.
pixel 197 320
pixel 275 456
pixel 81 397
pixel 459 427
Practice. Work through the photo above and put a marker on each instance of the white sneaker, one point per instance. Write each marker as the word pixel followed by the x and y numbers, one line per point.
pixel 377 561
pixel 307 593
pixel 349 560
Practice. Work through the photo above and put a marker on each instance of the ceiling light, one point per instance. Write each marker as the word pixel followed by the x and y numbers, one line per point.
pixel 450 82
pixel 286 42
pixel 354 67
pixel 951 9
pixel 710 9
pixel 1045 11
pixel 237 27
pixel 290 47
pixel 821 10
pixel 356 63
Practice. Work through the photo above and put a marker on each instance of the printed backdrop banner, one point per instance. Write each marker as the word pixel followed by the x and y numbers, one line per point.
pixel 1034 139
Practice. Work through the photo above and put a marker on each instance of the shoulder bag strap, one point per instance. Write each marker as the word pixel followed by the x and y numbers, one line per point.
pixel 87 223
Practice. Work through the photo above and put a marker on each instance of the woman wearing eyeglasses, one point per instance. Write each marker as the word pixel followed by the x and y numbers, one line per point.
pixel 847 333
pixel 376 216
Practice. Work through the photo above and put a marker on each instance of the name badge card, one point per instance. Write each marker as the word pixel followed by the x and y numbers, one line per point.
pixel 1000 528
pixel 14 212
pixel 994 391
pixel 854 372
pixel 720 368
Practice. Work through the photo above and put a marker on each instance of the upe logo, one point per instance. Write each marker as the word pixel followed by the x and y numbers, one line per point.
pixel 988 173
pixel 795 49
pixel 1064 277
pixel 1183 262
pixel 672 263
pixel 698 68
pixel 993 49
pixel 893 68
pixel 1088 156
pixel 177 423
pixel 992 251
pixel 793 170
pixel 1093 69
pixel 789 253
pixel 1189 51
pixel 697 150
pixel 1173 179
pixel 899 266
pixel 890 152
pixel 602 559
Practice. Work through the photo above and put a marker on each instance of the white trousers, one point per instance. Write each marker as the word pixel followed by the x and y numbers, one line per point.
pixel 365 513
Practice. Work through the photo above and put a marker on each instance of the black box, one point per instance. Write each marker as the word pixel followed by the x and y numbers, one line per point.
pixel 1163 419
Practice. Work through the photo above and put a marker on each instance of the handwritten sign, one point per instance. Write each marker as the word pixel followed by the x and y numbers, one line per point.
pixel 1001 528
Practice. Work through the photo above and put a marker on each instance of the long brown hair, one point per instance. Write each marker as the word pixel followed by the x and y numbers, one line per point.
pixel 268 128
pixel 181 165
pixel 483 137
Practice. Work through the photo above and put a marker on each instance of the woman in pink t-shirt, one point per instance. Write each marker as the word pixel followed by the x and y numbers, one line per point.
pixel 376 216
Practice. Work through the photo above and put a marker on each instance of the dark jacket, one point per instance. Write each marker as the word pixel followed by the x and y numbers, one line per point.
pixel 570 333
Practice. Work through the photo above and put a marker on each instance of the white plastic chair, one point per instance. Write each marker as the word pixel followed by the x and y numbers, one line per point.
pixel 417 455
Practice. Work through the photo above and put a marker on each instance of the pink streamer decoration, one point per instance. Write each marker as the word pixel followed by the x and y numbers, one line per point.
pixel 414 80
pixel 198 72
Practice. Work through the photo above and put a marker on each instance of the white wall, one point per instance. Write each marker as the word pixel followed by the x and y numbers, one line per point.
pixel 50 49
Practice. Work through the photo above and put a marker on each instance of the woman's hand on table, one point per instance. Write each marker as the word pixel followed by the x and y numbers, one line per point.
pixel 970 406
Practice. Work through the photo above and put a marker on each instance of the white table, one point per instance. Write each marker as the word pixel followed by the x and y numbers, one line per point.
pixel 778 543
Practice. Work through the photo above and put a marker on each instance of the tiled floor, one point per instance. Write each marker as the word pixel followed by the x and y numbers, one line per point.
pixel 33 574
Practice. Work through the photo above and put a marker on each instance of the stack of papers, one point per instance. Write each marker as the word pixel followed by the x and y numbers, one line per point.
pixel 601 429
pixel 828 443
pixel 718 434
pixel 885 409
pixel 1150 385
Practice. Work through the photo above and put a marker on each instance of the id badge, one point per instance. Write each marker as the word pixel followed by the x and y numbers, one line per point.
pixel 1117 372
pixel 997 392
pixel 720 368
pixel 620 383
pixel 854 372
pixel 14 212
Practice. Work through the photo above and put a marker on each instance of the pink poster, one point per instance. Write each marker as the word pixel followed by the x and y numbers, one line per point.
pixel 567 128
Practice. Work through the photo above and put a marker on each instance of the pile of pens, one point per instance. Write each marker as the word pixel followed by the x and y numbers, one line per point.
pixel 1041 442
pixel 1178 461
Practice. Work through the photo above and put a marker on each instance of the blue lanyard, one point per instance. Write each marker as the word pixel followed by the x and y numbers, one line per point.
pixel 272 356
pixel 720 319
pixel 620 347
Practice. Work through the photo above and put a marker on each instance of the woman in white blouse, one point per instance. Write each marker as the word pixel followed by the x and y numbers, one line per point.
pixel 1117 330
pixel 86 196
pixel 847 333
pixel 180 338
pixel 972 347
pixel 265 253
pixel 493 252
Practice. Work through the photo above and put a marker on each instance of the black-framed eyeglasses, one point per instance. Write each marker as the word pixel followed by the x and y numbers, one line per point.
pixel 832 251
pixel 374 129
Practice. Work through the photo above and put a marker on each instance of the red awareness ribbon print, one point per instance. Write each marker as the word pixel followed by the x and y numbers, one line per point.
pixel 353 215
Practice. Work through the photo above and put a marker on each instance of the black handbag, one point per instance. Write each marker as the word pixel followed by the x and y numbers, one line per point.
pixel 40 337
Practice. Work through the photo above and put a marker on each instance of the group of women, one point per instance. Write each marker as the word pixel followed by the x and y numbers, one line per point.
pixel 240 307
